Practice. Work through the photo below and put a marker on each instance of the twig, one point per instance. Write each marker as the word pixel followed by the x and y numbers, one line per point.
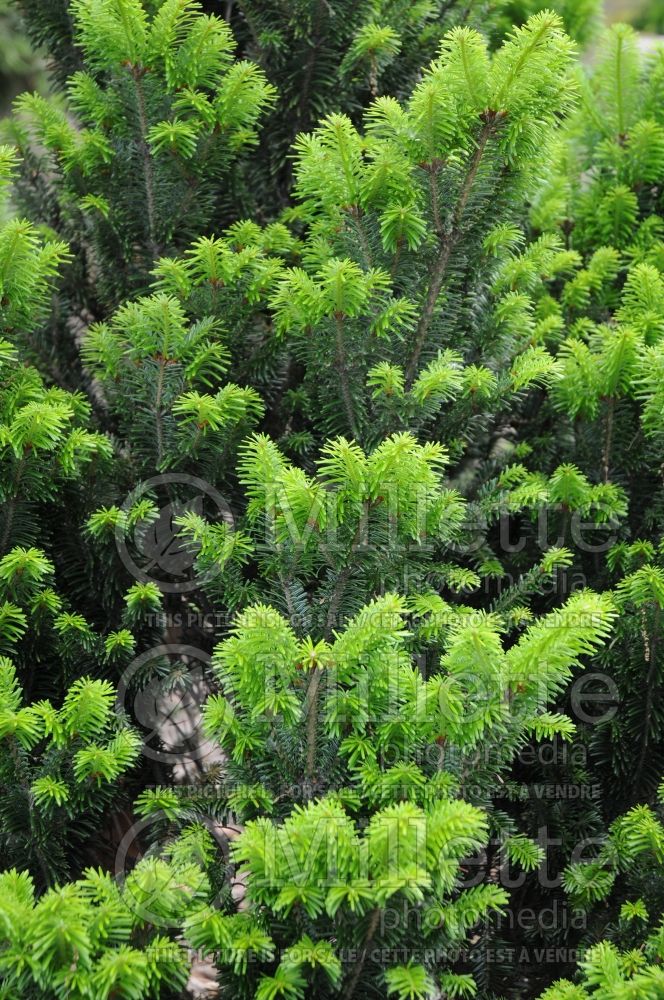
pixel 448 243
pixel 651 657
pixel 146 155
pixel 311 711
pixel 359 964
pixel 608 438
pixel 343 374
pixel 159 428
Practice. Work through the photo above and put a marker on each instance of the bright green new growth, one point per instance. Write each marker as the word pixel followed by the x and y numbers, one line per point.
pixel 403 743
pixel 350 318
pixel 59 761
pixel 93 938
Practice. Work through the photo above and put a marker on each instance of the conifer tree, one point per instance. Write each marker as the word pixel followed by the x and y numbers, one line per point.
pixel 383 282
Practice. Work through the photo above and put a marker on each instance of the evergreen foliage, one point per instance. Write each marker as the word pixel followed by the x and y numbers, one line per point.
pixel 590 290
pixel 93 938
pixel 164 111
pixel 69 782
pixel 331 409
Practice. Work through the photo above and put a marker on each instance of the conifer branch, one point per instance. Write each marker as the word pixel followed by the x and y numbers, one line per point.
pixel 341 582
pixel 653 664
pixel 288 597
pixel 434 170
pixel 159 417
pixel 620 111
pixel 448 243
pixel 11 505
pixel 9 520
pixel 311 712
pixel 608 437
pixel 355 213
pixel 356 971
pixel 146 158
pixel 342 368
pixel 314 42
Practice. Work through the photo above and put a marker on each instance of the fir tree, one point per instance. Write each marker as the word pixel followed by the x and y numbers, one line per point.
pixel 385 281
